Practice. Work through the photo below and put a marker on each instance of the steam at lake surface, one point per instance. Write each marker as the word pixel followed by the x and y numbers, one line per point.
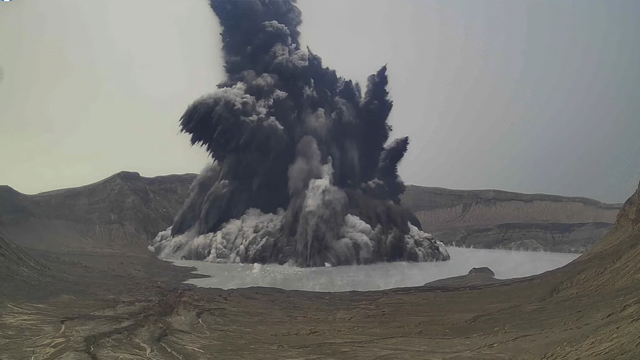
pixel 506 265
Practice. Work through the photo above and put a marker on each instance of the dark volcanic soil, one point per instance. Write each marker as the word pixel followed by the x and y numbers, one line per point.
pixel 108 305
pixel 102 314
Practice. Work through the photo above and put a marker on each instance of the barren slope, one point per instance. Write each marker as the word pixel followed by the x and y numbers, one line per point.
pixel 118 214
pixel 16 263
pixel 589 309
pixel 123 212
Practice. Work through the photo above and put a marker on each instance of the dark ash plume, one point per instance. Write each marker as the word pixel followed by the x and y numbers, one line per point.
pixel 301 174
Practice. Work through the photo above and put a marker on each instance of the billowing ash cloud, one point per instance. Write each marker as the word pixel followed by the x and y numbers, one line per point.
pixel 301 174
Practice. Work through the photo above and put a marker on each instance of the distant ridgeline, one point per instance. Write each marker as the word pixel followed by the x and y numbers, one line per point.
pixel 124 212
pixel 500 219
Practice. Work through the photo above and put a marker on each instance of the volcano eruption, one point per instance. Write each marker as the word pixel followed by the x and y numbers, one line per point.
pixel 300 173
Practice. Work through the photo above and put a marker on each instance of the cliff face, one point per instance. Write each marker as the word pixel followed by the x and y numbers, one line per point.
pixel 118 214
pixel 444 209
pixel 500 219
pixel 17 264
pixel 123 212
pixel 612 264
pixel 629 216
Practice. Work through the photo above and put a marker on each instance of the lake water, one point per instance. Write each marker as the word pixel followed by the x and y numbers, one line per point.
pixel 506 264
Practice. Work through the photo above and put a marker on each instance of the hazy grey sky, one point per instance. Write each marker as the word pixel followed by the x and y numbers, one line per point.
pixel 530 96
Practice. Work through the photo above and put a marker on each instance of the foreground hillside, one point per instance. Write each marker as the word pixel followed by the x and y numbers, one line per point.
pixel 588 309
pixel 123 212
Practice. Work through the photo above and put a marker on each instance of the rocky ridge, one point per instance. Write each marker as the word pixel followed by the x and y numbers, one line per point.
pixel 123 212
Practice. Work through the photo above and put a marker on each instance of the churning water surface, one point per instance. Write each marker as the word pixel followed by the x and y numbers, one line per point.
pixel 506 264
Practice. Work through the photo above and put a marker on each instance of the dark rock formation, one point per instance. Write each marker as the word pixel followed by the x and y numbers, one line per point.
pixel 485 271
pixel 475 277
